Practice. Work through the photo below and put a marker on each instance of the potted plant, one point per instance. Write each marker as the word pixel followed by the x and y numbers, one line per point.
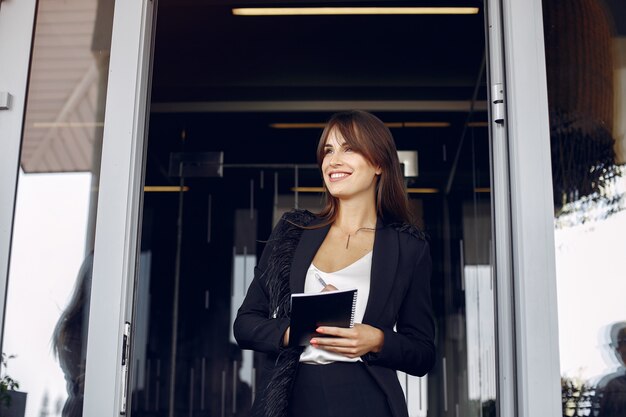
pixel 12 402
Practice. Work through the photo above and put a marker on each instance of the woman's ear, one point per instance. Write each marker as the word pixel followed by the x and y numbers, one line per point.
pixel 378 170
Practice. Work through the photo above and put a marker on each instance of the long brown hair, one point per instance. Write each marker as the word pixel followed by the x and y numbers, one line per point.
pixel 368 135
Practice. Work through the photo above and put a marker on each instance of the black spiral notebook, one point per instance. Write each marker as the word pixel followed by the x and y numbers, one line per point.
pixel 309 311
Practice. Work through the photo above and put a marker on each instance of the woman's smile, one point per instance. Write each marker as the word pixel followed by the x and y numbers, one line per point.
pixel 335 176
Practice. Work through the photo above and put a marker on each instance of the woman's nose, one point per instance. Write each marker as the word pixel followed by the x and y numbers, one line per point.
pixel 335 159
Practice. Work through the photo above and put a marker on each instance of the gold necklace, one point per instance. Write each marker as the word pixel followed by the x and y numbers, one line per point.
pixel 355 232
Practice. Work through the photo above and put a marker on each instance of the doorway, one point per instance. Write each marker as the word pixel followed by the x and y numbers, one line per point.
pixel 237 108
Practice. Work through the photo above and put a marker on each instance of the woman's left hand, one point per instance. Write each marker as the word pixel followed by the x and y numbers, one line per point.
pixel 353 343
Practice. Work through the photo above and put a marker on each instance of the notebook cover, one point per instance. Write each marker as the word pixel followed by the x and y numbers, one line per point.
pixel 309 311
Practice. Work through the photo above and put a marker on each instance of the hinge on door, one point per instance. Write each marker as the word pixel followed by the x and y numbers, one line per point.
pixel 497 103
pixel 125 362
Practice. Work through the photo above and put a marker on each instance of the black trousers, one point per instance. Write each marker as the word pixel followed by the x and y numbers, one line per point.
pixel 339 389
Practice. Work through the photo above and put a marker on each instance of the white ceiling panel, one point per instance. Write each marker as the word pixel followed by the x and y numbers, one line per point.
pixel 61 124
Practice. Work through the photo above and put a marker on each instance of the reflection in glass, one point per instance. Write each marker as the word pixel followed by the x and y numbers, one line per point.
pixel 70 341
pixel 585 44
pixel 49 283
pixel 611 389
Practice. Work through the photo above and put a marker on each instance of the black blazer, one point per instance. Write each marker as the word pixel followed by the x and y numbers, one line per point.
pixel 399 296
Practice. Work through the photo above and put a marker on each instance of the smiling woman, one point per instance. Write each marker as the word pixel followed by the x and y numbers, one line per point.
pixel 394 328
pixel 356 139
pixel 346 172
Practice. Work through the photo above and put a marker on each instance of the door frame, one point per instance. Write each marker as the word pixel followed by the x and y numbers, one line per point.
pixel 533 325
pixel 119 200
pixel 17 19
pixel 501 246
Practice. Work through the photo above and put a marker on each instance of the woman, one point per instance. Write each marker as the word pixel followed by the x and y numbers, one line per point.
pixel 362 238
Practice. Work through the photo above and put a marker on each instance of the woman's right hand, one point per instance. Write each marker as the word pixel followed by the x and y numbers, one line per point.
pixel 329 287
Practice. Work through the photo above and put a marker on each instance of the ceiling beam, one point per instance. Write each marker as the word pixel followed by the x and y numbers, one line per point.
pixel 315 106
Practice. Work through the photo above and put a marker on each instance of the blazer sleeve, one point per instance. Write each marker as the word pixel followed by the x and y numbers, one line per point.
pixel 410 347
pixel 254 328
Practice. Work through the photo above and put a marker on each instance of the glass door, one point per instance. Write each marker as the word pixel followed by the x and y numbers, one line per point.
pixel 52 135
pixel 16 24
pixel 62 160
pixel 231 145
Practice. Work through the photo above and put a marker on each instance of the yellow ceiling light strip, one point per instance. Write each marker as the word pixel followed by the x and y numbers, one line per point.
pixel 163 188
pixel 426 124
pixel 318 11
pixel 297 125
pixel 308 189
pixel 389 125
pixel 422 190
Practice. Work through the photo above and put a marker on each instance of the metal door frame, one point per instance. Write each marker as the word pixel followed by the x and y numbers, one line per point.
pixel 528 348
pixel 119 200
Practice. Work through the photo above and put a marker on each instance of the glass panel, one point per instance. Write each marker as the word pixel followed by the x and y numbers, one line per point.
pixel 586 67
pixel 47 306
pixel 243 165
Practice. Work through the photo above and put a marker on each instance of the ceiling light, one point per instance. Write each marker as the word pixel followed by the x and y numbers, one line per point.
pixel 297 125
pixel 308 189
pixel 316 11
pixel 390 125
pixel 422 190
pixel 164 188
pixel 426 124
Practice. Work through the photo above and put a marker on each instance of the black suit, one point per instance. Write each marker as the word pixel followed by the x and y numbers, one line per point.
pixel 399 295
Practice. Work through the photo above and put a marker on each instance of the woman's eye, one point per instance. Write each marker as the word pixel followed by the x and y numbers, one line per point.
pixel 328 151
pixel 348 149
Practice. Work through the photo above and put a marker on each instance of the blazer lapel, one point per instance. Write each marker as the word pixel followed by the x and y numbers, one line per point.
pixel 310 241
pixel 383 273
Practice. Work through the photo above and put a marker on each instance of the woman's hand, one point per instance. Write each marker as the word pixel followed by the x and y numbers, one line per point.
pixel 353 343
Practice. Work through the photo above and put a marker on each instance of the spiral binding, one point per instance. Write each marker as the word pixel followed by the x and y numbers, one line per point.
pixel 354 296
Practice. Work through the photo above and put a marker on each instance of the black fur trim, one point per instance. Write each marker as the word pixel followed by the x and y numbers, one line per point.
pixel 410 229
pixel 284 240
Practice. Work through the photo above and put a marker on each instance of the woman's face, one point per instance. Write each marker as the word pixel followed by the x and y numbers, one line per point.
pixel 346 172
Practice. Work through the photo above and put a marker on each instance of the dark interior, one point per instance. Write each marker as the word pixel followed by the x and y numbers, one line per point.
pixel 220 81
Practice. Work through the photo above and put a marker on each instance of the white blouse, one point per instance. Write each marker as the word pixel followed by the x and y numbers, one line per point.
pixel 356 275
